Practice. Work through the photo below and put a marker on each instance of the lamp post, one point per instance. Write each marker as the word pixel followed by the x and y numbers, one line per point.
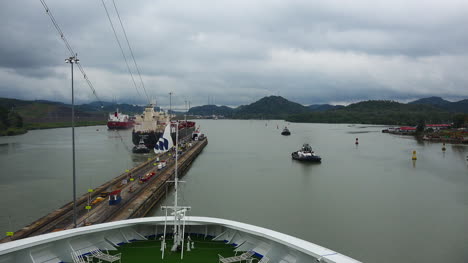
pixel 73 60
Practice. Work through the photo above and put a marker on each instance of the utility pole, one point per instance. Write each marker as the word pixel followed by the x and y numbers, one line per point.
pixel 73 60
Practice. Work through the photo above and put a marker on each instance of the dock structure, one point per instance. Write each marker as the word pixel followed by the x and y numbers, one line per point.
pixel 134 194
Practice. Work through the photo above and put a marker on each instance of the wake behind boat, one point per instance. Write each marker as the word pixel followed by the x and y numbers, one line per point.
pixel 306 154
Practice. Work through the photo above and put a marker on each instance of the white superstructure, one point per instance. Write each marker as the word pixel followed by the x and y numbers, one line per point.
pixel 151 120
pixel 57 247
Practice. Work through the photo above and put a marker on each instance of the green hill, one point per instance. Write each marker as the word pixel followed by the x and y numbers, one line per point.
pixel 323 107
pixel 458 106
pixel 40 114
pixel 378 112
pixel 266 108
pixel 207 110
pixel 111 107
pixel 269 107
pixel 43 111
pixel 46 111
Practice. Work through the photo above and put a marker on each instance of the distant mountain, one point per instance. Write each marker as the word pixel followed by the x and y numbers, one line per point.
pixel 433 109
pixel 324 107
pixel 267 107
pixel 208 110
pixel 12 103
pixel 111 107
pixel 42 111
pixel 459 106
pixel 435 101
pixel 270 107
pixel 378 112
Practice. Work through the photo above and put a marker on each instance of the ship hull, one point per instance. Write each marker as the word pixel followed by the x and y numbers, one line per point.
pixel 313 158
pixel 61 246
pixel 114 125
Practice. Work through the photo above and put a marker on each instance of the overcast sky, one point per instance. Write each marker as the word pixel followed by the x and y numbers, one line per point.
pixel 235 52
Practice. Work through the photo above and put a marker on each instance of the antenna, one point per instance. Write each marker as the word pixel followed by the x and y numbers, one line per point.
pixel 186 110
pixel 170 104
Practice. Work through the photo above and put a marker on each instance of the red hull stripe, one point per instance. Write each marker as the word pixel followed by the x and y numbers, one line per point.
pixel 114 124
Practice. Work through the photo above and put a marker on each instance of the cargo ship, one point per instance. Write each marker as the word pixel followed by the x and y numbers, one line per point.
pixel 118 120
pixel 150 125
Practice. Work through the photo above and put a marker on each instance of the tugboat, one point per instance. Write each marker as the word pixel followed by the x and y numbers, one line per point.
pixel 141 147
pixel 306 154
pixel 285 131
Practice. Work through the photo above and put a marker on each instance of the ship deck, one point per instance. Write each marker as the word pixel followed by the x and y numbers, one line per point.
pixel 205 250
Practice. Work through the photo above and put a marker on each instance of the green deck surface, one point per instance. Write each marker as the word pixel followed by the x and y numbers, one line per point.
pixel 205 251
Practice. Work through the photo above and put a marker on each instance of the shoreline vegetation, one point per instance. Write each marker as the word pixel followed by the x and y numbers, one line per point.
pixel 11 131
pixel 18 116
pixel 53 125
pixel 11 123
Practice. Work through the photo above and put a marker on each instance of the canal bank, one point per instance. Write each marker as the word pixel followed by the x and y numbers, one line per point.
pixel 136 192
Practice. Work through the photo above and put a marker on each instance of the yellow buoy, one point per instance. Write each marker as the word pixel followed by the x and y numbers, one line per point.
pixel 414 156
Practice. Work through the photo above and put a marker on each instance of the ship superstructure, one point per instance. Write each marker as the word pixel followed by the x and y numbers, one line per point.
pixel 150 126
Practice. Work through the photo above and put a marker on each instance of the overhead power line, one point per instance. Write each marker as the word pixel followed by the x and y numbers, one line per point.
pixel 121 49
pixel 70 49
pixel 130 48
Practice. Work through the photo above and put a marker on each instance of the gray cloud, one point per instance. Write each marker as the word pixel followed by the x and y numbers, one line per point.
pixel 237 52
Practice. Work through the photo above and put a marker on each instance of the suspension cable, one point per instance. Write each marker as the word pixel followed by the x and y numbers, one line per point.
pixel 70 49
pixel 120 46
pixel 131 50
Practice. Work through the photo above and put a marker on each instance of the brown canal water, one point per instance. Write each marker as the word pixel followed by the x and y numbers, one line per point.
pixel 370 201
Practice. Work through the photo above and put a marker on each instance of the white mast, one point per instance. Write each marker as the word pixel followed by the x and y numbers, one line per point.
pixel 178 211
pixel 176 181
